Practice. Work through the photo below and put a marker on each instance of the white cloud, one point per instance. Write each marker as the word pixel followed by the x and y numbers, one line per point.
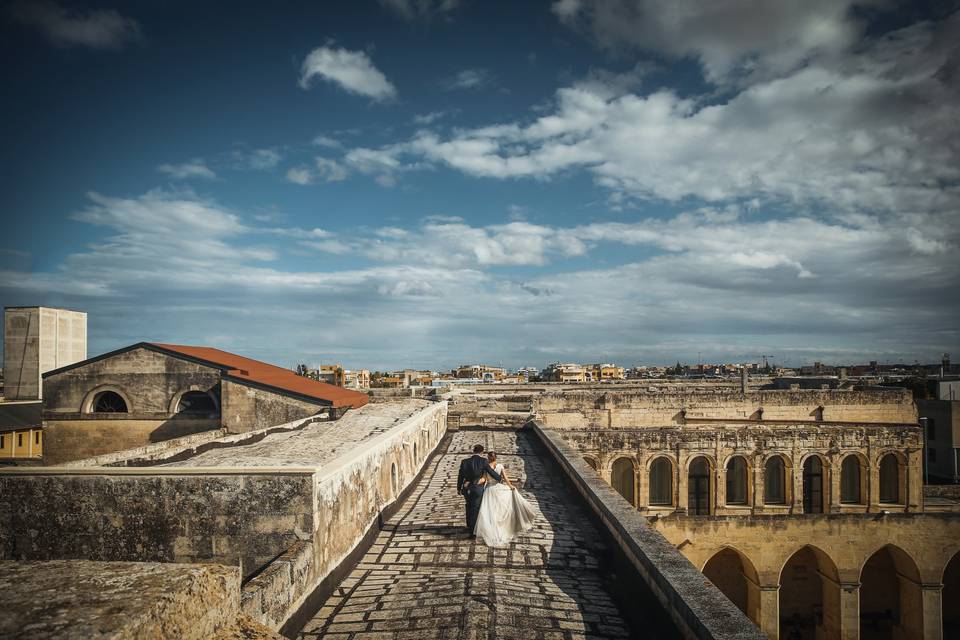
pixel 467 79
pixel 734 39
pixel 327 141
pixel 263 159
pixel 195 168
pixel 351 70
pixel 873 132
pixel 421 9
pixel 98 29
pixel 330 170
pixel 300 175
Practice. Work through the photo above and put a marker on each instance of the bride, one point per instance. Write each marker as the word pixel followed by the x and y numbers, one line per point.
pixel 503 512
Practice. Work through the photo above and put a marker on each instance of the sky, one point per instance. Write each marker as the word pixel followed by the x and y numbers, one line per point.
pixel 424 183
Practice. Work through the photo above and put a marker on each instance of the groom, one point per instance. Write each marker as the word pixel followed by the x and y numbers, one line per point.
pixel 468 484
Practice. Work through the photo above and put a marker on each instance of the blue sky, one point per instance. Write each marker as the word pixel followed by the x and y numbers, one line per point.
pixel 424 183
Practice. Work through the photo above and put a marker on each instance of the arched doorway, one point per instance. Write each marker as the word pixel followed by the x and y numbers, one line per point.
pixel 809 596
pixel 698 487
pixel 661 483
pixel 736 577
pixel 623 479
pixel 891 601
pixel 813 483
pixel 950 596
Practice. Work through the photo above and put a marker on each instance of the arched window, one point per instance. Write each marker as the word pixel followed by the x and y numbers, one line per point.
pixel 737 480
pixel 661 482
pixel 850 481
pixel 622 478
pixel 774 481
pixel 890 479
pixel 813 485
pixel 109 402
pixel 196 402
pixel 699 487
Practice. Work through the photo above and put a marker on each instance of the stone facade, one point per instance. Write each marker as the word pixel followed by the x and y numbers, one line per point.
pixel 151 384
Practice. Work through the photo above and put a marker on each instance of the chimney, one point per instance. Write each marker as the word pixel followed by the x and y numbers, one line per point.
pixel 743 380
pixel 843 373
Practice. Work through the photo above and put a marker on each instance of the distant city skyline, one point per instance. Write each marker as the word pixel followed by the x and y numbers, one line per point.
pixel 424 184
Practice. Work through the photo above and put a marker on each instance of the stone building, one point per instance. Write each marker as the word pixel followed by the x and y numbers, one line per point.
pixel 37 340
pixel 805 507
pixel 940 416
pixel 150 392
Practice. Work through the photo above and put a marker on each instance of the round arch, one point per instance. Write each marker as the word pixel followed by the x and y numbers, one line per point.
pixel 738 473
pixel 777 479
pixel 891 466
pixel 701 474
pixel 661 471
pixel 891 598
pixel 951 594
pixel 815 483
pixel 731 571
pixel 86 406
pixel 854 469
pixel 175 400
pixel 809 595
pixel 623 477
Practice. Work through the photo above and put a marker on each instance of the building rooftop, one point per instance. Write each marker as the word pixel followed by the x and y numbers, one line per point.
pixel 20 415
pixel 314 445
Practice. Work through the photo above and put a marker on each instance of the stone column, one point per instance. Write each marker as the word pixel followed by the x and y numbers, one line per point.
pixel 770 610
pixel 643 484
pixel 850 611
pixel 683 503
pixel 758 474
pixel 914 481
pixel 933 611
pixel 834 487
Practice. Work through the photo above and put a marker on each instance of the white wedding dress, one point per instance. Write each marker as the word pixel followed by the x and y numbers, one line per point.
pixel 504 513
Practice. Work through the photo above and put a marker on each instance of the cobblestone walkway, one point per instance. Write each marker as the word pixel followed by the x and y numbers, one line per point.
pixel 423 578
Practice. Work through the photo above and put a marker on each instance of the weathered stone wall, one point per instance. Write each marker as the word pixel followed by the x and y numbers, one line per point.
pixel 627 409
pixel 69 440
pixel 350 493
pixel 794 444
pixel 80 599
pixel 696 606
pixel 246 408
pixel 150 451
pixel 241 518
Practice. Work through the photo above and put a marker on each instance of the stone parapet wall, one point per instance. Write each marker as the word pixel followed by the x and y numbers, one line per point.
pixel 237 517
pixel 628 409
pixel 951 491
pixel 697 607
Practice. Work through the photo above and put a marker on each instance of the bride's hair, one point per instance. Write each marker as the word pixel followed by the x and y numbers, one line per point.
pixel 491 455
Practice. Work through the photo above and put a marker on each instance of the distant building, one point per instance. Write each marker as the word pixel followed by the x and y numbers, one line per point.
pixel 942 417
pixel 603 372
pixel 359 379
pixel 150 392
pixel 564 372
pixel 37 340
pixel 331 374
pixel 481 371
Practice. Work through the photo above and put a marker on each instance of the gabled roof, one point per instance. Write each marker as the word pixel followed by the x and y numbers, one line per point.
pixel 249 370
pixel 246 370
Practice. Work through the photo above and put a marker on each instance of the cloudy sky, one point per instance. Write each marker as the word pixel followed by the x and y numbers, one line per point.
pixel 429 182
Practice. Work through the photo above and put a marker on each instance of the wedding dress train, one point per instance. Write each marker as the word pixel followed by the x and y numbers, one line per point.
pixel 504 513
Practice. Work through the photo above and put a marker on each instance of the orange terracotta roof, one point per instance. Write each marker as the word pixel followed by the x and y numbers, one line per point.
pixel 258 372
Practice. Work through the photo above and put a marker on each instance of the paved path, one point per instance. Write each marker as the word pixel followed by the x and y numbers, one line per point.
pixel 423 578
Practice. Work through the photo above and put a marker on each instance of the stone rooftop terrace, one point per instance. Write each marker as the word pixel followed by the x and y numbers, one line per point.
pixel 314 445
pixel 424 578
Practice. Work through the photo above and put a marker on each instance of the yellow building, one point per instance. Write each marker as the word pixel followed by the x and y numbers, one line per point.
pixel 21 432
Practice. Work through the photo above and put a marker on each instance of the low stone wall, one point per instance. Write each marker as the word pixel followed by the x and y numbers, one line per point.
pixel 82 599
pixel 242 517
pixel 698 608
pixel 951 491
pixel 157 449
pixel 349 496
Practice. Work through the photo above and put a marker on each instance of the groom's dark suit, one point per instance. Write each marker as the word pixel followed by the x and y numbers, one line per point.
pixel 471 470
